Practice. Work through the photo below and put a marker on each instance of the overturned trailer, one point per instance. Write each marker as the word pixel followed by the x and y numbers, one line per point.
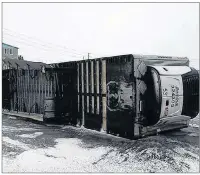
pixel 129 95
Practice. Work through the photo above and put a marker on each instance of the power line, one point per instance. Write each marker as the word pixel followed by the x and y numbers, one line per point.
pixel 42 58
pixel 36 45
pixel 44 49
pixel 74 51
pixel 25 44
pixel 38 40
pixel 54 45
pixel 44 45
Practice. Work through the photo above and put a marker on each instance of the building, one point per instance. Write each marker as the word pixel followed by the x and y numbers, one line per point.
pixel 9 51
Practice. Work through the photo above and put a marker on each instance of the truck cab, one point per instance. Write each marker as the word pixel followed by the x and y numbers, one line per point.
pixel 171 97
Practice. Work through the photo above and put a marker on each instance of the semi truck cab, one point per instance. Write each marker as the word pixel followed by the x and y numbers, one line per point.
pixel 172 96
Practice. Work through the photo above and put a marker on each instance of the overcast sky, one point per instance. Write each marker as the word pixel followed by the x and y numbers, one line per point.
pixel 63 32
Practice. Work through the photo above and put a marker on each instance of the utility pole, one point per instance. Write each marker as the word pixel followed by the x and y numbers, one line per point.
pixel 83 57
pixel 88 56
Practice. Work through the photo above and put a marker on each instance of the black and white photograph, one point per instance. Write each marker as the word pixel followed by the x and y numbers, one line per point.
pixel 93 87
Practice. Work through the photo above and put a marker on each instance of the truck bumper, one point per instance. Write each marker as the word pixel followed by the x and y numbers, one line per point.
pixel 167 124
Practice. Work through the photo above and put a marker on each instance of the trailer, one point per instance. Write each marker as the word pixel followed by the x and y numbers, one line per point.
pixel 131 95
pixel 128 95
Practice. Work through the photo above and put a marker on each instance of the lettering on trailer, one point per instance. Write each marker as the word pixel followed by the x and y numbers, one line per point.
pixel 175 99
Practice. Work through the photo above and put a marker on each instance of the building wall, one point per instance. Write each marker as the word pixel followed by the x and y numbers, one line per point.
pixel 9 51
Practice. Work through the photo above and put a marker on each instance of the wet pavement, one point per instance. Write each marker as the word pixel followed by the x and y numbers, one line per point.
pixel 34 147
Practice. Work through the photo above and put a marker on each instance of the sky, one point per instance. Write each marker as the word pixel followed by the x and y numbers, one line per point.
pixel 58 32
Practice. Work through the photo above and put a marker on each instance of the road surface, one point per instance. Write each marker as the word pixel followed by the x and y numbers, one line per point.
pixel 31 147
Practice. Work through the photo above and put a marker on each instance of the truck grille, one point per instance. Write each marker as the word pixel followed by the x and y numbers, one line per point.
pixel 191 93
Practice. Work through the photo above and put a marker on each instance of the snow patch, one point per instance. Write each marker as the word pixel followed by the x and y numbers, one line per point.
pixel 12 117
pixel 34 135
pixel 187 158
pixel 193 134
pixel 11 128
pixel 66 156
pixel 102 134
pixel 16 143
pixel 194 125
pixel 151 160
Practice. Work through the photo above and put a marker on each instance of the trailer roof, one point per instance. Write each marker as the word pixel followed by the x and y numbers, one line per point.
pixel 135 56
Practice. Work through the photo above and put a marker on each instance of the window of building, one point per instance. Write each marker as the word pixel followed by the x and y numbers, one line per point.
pixel 5 51
pixel 8 51
pixel 11 51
